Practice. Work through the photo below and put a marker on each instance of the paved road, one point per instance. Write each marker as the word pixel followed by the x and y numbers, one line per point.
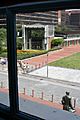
pixel 45 85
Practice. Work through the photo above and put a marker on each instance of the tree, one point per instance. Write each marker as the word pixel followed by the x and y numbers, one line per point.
pixel 2 39
pixel 19 43
pixel 62 29
pixel 37 33
pixel 58 28
pixel 57 42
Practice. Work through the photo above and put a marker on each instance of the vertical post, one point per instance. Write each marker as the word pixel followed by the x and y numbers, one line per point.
pixel 35 66
pixel 42 95
pixel 1 84
pixel 12 62
pixel 52 98
pixel 74 102
pixel 31 68
pixel 39 65
pixel 32 93
pixel 24 91
pixel 68 43
pixel 47 65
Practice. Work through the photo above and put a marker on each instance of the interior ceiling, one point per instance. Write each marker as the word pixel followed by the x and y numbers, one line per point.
pixel 13 2
pixel 48 5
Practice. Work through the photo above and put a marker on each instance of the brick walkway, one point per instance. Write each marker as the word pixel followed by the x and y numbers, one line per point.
pixel 53 55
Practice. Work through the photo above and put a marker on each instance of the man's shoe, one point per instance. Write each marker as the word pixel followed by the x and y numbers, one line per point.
pixel 73 110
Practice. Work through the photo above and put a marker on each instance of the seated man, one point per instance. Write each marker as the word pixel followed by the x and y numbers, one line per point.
pixel 66 101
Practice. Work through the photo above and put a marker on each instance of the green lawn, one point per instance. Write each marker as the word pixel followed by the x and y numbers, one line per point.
pixel 72 61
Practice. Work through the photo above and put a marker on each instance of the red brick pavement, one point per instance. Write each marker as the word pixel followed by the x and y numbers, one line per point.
pixel 53 55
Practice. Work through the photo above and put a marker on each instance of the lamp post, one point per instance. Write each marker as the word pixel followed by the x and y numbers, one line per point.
pixel 47 65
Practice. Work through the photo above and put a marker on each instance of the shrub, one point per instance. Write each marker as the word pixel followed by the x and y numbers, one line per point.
pixel 23 54
pixel 57 42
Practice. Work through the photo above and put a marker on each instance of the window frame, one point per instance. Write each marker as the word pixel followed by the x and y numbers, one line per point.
pixel 13 112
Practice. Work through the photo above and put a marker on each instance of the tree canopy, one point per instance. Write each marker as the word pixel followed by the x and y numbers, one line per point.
pixel 3 40
pixel 61 29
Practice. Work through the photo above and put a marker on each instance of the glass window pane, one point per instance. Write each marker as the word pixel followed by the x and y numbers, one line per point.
pixel 42 39
pixel 4 84
pixel 33 32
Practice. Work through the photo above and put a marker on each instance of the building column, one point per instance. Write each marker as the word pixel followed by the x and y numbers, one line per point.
pixel 73 42
pixel 26 38
pixel 43 44
pixel 23 35
pixel 68 43
pixel 29 43
pixel 46 37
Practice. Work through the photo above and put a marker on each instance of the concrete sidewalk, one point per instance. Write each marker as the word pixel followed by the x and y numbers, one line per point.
pixel 42 108
pixel 51 104
pixel 64 74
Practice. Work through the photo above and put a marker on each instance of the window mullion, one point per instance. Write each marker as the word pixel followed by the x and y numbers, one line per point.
pixel 12 61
